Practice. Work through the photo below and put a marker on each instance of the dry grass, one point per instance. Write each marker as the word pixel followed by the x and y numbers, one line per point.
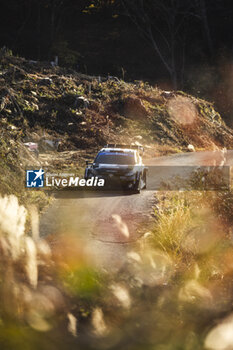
pixel 172 224
pixel 169 295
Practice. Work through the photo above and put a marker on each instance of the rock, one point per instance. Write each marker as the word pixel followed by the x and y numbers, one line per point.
pixel 81 102
pixel 191 148
pixel 46 81
pixel 167 94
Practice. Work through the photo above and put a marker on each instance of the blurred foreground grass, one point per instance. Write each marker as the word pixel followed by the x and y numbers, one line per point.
pixel 174 292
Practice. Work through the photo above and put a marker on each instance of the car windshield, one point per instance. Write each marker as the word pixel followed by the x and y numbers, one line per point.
pixel 115 158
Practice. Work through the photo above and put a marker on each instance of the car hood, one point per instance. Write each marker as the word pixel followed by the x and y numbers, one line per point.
pixel 114 168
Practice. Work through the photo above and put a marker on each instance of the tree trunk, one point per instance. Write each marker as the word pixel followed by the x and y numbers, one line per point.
pixel 38 31
pixel 206 26
pixel 52 24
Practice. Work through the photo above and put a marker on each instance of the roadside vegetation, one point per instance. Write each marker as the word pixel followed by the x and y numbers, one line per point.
pixel 86 112
pixel 39 102
pixel 174 291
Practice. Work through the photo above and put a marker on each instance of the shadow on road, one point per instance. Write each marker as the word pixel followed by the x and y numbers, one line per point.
pixel 88 194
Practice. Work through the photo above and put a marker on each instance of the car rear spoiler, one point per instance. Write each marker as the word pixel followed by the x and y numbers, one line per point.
pixel 116 145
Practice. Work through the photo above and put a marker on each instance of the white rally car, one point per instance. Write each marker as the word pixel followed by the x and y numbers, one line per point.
pixel 119 165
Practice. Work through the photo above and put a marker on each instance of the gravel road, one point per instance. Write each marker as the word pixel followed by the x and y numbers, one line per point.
pixel 113 222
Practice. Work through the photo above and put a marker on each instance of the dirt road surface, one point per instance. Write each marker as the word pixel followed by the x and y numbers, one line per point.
pixel 112 223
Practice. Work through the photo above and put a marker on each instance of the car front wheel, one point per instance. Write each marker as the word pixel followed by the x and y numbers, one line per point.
pixel 138 185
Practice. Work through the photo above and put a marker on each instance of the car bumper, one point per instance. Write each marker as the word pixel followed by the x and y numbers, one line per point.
pixel 112 180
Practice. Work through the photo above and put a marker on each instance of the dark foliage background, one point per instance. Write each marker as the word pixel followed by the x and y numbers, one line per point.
pixel 183 44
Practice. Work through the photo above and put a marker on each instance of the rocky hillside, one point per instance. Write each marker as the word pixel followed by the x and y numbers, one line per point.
pixel 41 102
